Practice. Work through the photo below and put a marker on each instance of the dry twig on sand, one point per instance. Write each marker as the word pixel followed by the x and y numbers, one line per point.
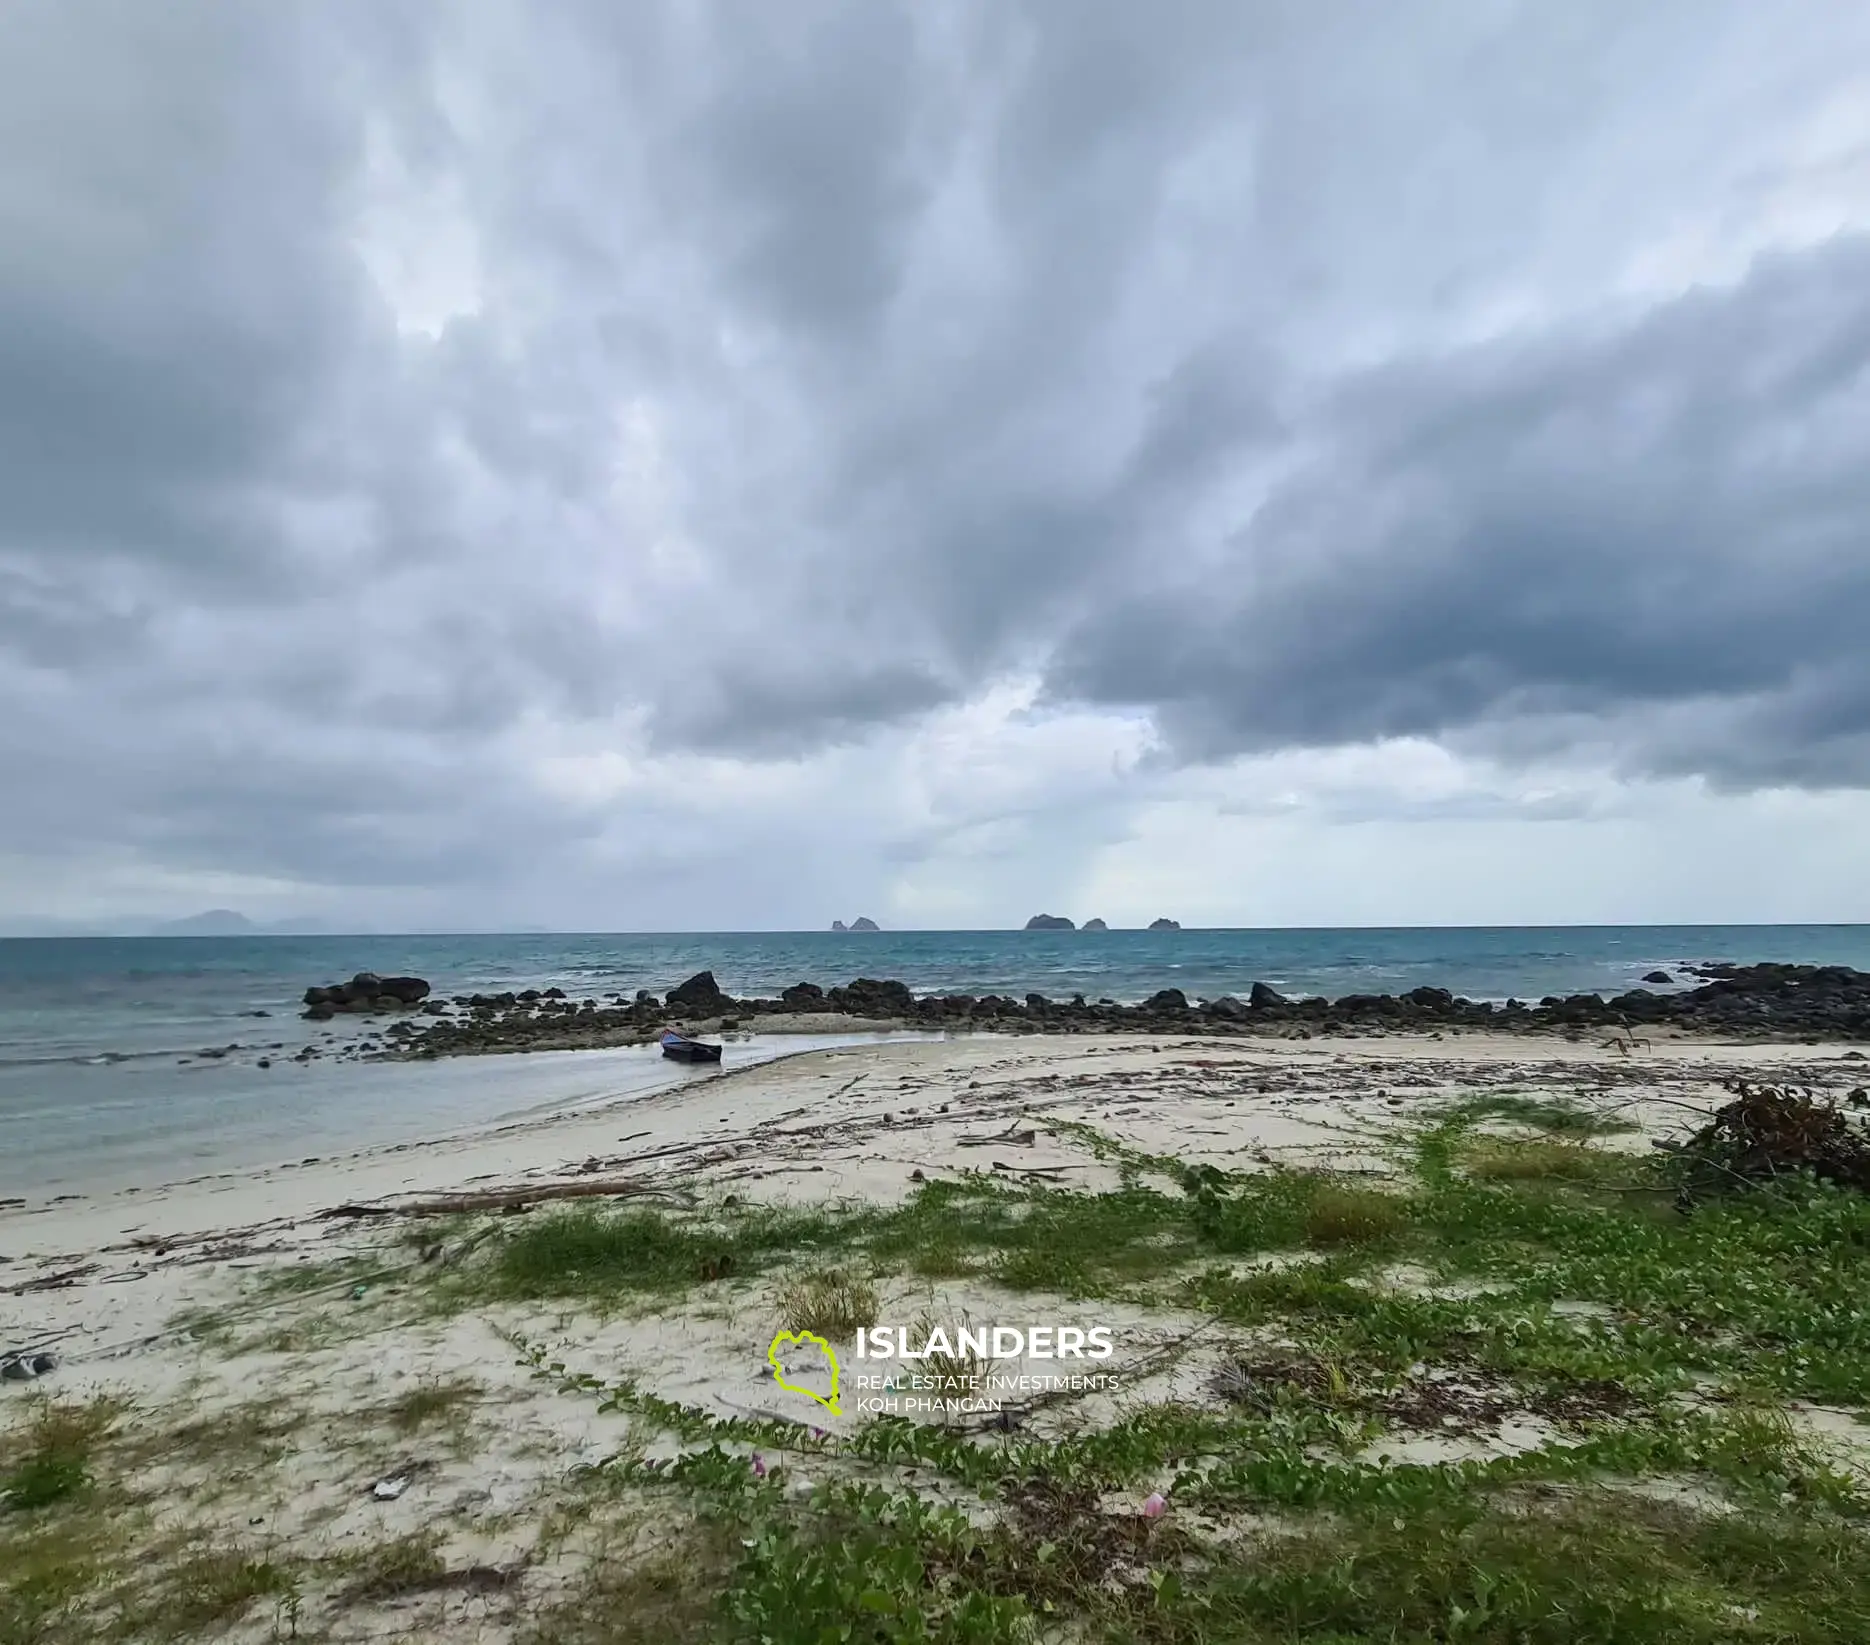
pixel 505 1199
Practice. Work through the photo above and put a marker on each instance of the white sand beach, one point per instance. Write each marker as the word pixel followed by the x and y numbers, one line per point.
pixel 259 1414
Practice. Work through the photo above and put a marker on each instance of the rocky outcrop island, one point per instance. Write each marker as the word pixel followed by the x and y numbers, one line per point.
pixel 1049 922
pixel 1165 925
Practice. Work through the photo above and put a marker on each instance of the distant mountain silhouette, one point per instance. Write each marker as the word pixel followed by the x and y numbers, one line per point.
pixel 217 922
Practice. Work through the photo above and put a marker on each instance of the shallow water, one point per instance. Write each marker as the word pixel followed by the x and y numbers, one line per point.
pixel 93 1030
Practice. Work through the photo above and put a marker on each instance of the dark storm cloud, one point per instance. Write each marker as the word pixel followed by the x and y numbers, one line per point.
pixel 1674 511
pixel 387 391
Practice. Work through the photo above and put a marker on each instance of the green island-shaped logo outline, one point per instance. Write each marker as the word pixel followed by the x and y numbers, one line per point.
pixel 830 1401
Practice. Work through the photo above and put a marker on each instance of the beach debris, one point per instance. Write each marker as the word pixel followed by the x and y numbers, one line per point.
pixel 25 1366
pixel 1155 1505
pixel 510 1199
pixel 1015 1135
pixel 63 1280
pixel 1769 1132
pixel 388 1490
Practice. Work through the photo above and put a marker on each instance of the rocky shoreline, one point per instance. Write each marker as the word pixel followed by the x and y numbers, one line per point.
pixel 1771 1001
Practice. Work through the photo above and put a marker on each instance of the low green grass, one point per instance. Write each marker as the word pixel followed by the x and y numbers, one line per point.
pixel 1554 1115
pixel 49 1457
pixel 389 1570
pixel 598 1254
pixel 833 1303
pixel 1283 1523
pixel 1354 1216
pixel 208 1588
pixel 438 1400
pixel 1509 1159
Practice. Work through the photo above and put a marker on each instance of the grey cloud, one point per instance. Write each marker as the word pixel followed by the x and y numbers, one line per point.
pixel 1667 512
pixel 817 366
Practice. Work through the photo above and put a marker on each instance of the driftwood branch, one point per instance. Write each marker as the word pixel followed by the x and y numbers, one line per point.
pixel 506 1199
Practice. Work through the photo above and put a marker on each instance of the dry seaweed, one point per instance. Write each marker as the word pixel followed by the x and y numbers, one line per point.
pixel 1768 1134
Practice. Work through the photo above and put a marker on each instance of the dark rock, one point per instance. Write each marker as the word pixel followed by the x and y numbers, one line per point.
pixel 1037 1003
pixel 1168 999
pixel 1165 925
pixel 867 997
pixel 1049 922
pixel 1657 976
pixel 1261 997
pixel 321 1012
pixel 1227 1008
pixel 701 995
pixel 1094 925
pixel 803 996
pixel 1438 1000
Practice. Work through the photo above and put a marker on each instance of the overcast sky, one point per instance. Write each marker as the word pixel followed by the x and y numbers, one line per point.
pixel 662 466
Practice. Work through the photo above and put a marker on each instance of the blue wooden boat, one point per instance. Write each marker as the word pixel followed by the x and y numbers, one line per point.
pixel 680 1048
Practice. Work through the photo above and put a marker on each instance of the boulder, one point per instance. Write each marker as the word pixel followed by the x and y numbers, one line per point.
pixel 1259 996
pixel 803 996
pixel 365 992
pixel 700 996
pixel 867 997
pixel 1168 999
pixel 1657 977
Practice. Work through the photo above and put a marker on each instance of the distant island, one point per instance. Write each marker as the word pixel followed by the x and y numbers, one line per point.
pixel 217 922
pixel 1049 922
pixel 1094 925
pixel 1165 925
pixel 230 922
pixel 863 922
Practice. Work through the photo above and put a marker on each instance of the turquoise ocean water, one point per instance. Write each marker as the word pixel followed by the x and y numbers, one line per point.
pixel 91 1029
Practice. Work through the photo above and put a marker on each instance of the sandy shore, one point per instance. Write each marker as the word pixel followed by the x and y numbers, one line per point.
pixel 115 1283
